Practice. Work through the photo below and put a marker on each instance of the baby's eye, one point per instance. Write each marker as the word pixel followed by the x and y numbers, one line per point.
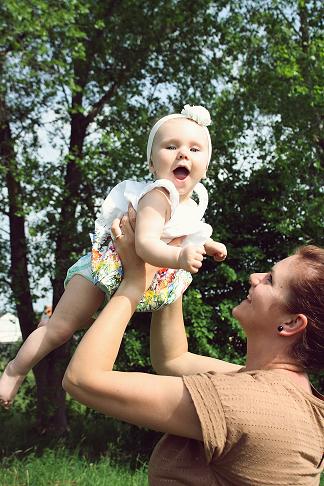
pixel 194 149
pixel 171 147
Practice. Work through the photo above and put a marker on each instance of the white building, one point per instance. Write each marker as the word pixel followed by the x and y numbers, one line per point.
pixel 9 329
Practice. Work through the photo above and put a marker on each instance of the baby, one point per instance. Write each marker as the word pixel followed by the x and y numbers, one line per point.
pixel 178 154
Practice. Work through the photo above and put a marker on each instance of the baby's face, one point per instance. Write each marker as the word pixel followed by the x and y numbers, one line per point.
pixel 180 154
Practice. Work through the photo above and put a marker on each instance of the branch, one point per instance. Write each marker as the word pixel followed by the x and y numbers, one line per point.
pixel 10 48
pixel 65 96
pixel 97 107
pixel 81 74
pixel 6 282
pixel 3 230
pixel 302 12
pixel 290 23
pixel 55 120
pixel 92 44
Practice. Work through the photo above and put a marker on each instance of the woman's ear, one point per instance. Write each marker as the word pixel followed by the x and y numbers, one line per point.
pixel 295 326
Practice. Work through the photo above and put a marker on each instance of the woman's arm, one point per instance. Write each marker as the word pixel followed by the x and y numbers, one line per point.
pixel 152 213
pixel 169 346
pixel 157 402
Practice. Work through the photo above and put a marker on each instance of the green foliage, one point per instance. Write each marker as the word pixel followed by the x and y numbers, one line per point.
pixel 135 348
pixel 9 350
pixel 198 318
pixel 210 333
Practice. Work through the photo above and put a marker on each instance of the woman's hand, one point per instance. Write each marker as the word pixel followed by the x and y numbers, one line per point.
pixel 136 272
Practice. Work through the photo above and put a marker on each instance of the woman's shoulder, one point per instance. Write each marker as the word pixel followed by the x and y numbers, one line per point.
pixel 266 381
pixel 255 380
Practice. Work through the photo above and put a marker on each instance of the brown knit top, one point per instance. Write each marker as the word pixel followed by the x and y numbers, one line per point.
pixel 259 428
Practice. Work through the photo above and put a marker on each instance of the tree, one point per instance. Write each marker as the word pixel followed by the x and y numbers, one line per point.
pixel 104 76
pixel 20 88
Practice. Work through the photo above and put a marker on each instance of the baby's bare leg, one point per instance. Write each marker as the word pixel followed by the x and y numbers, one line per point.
pixel 79 302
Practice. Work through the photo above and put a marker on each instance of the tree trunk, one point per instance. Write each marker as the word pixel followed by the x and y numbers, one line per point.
pixel 51 396
pixel 18 243
pixel 66 241
pixel 51 407
pixel 20 280
pixel 66 236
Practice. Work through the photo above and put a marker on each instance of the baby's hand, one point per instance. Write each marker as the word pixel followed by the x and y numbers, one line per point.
pixel 191 257
pixel 217 250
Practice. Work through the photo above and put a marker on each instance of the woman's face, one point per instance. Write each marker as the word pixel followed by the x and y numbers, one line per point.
pixel 263 308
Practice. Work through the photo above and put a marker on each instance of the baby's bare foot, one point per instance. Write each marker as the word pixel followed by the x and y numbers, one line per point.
pixel 5 405
pixel 9 385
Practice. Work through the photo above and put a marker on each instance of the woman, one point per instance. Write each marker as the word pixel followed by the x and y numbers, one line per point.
pixel 226 425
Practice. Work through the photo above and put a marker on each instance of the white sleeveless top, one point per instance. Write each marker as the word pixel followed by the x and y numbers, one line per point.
pixel 186 217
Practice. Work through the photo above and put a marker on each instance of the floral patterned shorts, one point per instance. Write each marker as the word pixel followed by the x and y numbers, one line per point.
pixel 167 285
pixel 103 268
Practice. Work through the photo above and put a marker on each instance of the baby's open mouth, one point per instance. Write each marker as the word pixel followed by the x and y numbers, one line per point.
pixel 181 173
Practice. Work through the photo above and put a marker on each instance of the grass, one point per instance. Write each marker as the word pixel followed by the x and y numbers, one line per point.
pixel 61 468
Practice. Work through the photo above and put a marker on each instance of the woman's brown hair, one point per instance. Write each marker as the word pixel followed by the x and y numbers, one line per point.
pixel 306 296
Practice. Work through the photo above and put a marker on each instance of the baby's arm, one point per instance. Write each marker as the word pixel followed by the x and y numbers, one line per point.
pixel 216 250
pixel 152 213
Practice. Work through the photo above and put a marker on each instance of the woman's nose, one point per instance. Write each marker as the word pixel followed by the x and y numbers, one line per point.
pixel 256 278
